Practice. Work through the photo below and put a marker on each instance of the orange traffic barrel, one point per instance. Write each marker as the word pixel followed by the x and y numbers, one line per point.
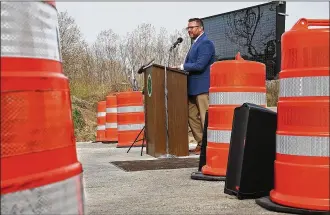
pixel 302 137
pixel 111 134
pixel 101 120
pixel 233 82
pixel 130 118
pixel 40 172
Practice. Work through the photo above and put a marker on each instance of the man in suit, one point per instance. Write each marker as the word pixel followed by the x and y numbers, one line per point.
pixel 198 61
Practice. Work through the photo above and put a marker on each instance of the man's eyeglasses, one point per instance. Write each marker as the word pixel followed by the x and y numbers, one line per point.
pixel 191 27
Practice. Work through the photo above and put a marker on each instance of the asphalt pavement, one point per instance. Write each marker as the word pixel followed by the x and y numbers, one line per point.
pixel 110 190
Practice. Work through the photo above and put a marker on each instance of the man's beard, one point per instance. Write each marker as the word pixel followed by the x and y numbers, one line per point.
pixel 193 37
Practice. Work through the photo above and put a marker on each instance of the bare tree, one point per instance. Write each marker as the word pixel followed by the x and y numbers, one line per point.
pixel 179 54
pixel 105 49
pixel 108 63
pixel 160 47
pixel 70 38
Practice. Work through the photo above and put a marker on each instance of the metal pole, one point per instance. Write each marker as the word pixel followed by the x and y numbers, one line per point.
pixel 167 155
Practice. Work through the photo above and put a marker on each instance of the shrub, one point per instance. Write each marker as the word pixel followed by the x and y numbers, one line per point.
pixel 78 119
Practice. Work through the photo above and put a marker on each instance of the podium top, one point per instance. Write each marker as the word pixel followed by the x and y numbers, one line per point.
pixel 167 68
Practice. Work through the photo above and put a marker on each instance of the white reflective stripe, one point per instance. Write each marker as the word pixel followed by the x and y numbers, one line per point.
pixel 303 145
pixel 110 125
pixel 218 136
pixel 29 29
pixel 130 127
pixel 101 127
pixel 304 86
pixel 64 197
pixel 130 109
pixel 100 114
pixel 111 110
pixel 237 98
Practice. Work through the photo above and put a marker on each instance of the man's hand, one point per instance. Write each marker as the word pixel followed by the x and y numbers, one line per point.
pixel 179 67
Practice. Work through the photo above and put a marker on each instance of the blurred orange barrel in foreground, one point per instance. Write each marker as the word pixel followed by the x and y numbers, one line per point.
pixel 233 82
pixel 40 173
pixel 101 120
pixel 111 134
pixel 130 118
pixel 302 142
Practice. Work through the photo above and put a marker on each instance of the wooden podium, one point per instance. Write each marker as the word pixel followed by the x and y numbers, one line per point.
pixel 155 112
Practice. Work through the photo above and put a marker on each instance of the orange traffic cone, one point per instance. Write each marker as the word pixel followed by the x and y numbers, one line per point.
pixel 40 173
pixel 130 118
pixel 101 120
pixel 233 82
pixel 302 162
pixel 111 134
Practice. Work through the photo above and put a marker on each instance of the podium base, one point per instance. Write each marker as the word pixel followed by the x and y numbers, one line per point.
pixel 266 203
pixel 109 142
pixel 167 156
pixel 200 176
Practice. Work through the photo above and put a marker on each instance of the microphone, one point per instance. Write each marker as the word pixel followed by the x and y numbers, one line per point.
pixel 142 68
pixel 178 41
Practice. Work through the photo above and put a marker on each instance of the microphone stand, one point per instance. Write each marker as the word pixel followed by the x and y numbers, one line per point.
pixel 167 155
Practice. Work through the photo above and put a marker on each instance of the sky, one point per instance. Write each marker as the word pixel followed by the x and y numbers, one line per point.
pixel 123 17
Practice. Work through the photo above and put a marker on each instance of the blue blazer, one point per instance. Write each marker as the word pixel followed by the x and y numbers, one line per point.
pixel 198 61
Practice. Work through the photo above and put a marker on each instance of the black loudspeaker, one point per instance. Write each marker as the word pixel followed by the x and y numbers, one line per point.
pixel 250 168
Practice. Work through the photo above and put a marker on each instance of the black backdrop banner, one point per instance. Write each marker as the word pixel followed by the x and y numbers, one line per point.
pixel 255 32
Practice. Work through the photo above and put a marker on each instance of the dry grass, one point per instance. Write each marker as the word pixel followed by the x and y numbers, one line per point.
pixel 84 98
pixel 84 117
pixel 91 93
pixel 272 92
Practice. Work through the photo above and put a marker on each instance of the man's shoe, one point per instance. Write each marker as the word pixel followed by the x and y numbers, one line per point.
pixel 197 150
